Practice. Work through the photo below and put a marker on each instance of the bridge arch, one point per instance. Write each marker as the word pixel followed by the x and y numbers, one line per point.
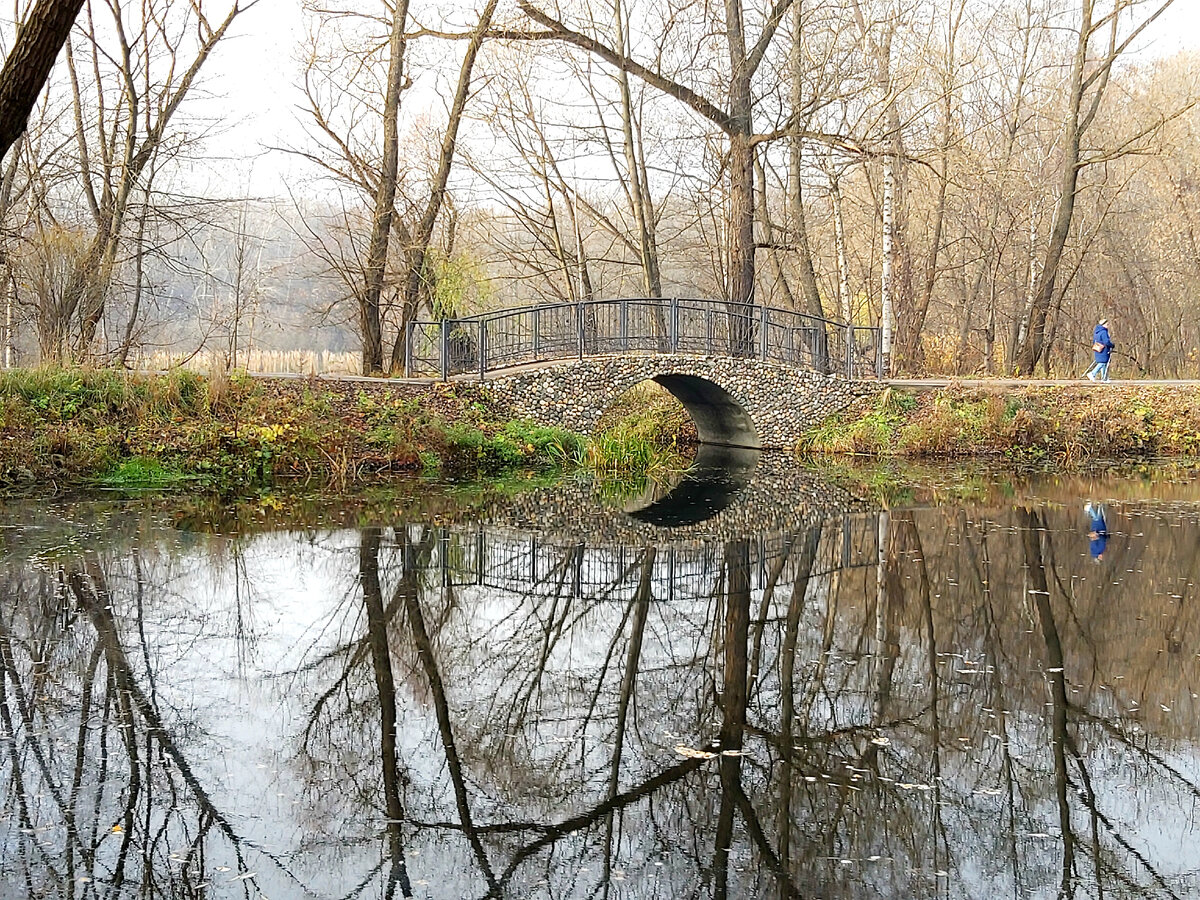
pixel 734 402
pixel 720 418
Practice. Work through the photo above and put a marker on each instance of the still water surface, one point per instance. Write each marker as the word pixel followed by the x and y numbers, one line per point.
pixel 773 689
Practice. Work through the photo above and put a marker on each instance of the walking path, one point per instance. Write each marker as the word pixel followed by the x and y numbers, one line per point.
pixel 1007 384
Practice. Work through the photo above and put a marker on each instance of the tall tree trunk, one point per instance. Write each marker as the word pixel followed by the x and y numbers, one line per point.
pixel 911 326
pixel 40 38
pixel 888 274
pixel 804 260
pixel 741 188
pixel 845 307
pixel 369 319
pixel 895 270
pixel 639 194
pixel 139 256
pixel 418 250
pixel 8 316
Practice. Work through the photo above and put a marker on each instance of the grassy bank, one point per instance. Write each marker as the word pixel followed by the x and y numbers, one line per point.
pixel 117 429
pixel 1066 424
pixel 645 433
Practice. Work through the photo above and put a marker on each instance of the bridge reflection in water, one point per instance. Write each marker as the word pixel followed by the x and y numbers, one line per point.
pixel 951 701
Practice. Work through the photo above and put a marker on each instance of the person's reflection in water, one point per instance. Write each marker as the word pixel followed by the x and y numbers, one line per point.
pixel 1097 529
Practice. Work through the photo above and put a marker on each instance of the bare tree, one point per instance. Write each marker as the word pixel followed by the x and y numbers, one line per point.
pixel 734 117
pixel 1089 79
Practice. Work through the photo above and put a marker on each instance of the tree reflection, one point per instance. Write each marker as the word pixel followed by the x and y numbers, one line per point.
pixel 902 703
pixel 106 799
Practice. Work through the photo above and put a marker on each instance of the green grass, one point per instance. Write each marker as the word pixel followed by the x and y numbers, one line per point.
pixel 517 444
pixel 873 430
pixel 642 436
pixel 143 473
pixel 66 394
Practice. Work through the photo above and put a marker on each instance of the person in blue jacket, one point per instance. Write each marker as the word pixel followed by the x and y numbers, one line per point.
pixel 1102 347
pixel 1097 530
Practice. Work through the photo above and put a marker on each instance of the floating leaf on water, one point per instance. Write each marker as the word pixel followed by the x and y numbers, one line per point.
pixel 692 753
pixel 880 741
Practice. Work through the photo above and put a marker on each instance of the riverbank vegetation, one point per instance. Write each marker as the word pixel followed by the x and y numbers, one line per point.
pixel 646 432
pixel 1065 424
pixel 70 426
pixel 237 434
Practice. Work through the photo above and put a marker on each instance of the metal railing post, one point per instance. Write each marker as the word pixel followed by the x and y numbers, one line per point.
pixel 579 323
pixel 674 324
pixel 708 329
pixel 879 353
pixel 623 326
pixel 445 344
pixel 537 334
pixel 479 555
pixel 764 317
pixel 408 349
pixel 671 574
pixel 849 351
pixel 483 348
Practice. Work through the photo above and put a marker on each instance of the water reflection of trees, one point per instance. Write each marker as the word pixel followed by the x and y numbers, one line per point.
pixel 901 704
pixel 99 796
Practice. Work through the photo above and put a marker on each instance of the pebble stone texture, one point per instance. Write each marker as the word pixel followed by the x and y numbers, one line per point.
pixel 743 402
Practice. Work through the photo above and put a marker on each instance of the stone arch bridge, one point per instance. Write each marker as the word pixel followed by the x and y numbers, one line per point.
pixel 749 375
pixel 737 402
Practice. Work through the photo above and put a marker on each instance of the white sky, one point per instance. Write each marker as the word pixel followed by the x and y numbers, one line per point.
pixel 256 73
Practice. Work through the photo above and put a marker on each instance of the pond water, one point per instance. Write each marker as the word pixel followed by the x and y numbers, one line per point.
pixel 764 684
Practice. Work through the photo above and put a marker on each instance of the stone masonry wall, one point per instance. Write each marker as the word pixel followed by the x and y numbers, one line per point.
pixel 782 402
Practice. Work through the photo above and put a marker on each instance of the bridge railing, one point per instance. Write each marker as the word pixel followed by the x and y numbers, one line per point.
pixel 508 338
pixel 504 559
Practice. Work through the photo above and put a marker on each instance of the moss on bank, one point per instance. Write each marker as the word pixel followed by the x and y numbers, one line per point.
pixel 125 430
pixel 1066 424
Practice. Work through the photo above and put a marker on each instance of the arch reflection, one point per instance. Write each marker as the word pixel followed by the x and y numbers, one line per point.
pixel 711 484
